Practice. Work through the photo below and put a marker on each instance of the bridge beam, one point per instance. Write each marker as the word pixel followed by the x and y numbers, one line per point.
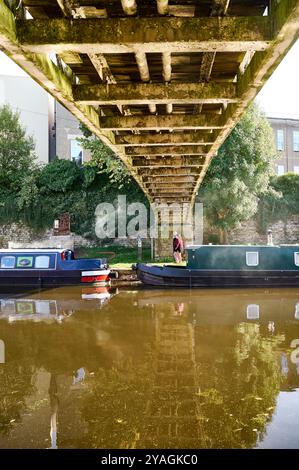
pixel 173 138
pixel 174 161
pixel 162 34
pixel 171 179
pixel 169 185
pixel 160 122
pixel 168 171
pixel 168 150
pixel 263 42
pixel 143 93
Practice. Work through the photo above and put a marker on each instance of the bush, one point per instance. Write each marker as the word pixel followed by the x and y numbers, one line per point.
pixel 59 176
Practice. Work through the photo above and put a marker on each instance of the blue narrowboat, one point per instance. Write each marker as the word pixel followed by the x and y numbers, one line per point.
pixel 228 266
pixel 50 267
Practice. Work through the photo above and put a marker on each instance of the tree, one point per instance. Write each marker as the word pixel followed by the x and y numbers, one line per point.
pixel 59 176
pixel 280 202
pixel 240 173
pixel 103 159
pixel 16 151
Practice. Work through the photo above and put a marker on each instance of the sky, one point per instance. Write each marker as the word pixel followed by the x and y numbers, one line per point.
pixel 279 97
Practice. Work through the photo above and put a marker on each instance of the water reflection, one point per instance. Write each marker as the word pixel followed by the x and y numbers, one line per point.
pixel 149 368
pixel 55 308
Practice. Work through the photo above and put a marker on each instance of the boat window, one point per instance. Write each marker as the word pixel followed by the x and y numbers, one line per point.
pixel 252 258
pixel 25 307
pixel 253 312
pixel 8 262
pixel 296 259
pixel 42 307
pixel 42 261
pixel 24 261
pixel 297 311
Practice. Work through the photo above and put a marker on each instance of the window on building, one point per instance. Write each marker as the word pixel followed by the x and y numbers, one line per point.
pixel 76 152
pixel 252 258
pixel 8 262
pixel 280 139
pixel 42 262
pixel 296 169
pixel 296 141
pixel 253 312
pixel 280 170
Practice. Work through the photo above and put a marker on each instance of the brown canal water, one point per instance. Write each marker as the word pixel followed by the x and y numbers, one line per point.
pixel 88 368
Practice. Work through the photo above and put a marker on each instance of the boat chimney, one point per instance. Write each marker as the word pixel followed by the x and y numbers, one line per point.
pixel 269 238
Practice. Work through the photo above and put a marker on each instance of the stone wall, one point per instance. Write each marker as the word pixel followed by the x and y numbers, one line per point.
pixel 283 232
pixel 21 236
pixel 17 232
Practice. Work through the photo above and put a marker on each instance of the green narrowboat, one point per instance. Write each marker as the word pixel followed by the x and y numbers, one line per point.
pixel 228 266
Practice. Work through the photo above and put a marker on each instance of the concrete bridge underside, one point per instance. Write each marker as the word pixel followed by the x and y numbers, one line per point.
pixel 160 82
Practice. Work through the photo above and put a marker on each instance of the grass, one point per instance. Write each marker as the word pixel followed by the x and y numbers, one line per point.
pixel 119 256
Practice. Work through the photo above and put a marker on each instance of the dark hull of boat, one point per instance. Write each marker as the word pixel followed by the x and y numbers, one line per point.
pixel 172 276
pixel 44 279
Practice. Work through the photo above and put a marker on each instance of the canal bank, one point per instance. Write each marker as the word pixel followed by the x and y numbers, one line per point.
pixel 122 277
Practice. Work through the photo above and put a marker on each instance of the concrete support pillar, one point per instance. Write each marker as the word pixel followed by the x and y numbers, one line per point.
pixel 171 218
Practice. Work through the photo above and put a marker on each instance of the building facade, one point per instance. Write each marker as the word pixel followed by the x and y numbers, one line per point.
pixel 286 134
pixel 54 129
pixel 22 94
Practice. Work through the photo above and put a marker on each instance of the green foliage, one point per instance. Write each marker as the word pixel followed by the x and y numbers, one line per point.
pixel 29 192
pixel 37 195
pixel 105 161
pixel 116 255
pixel 240 173
pixel 59 176
pixel 229 204
pixel 89 174
pixel 16 151
pixel 281 201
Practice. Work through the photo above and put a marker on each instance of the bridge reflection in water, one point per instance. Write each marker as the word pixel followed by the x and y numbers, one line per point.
pixel 150 368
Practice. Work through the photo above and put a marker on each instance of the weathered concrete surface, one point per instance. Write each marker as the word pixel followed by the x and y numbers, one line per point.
pixel 163 92
pixel 173 161
pixel 168 150
pixel 142 93
pixel 161 122
pixel 112 35
pixel 179 139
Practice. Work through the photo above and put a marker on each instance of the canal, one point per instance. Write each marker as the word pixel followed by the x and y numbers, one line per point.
pixel 137 368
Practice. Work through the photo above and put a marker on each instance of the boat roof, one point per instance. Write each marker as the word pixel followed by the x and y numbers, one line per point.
pixel 194 247
pixel 32 250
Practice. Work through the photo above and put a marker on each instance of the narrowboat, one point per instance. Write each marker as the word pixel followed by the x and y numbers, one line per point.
pixel 228 266
pixel 49 267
